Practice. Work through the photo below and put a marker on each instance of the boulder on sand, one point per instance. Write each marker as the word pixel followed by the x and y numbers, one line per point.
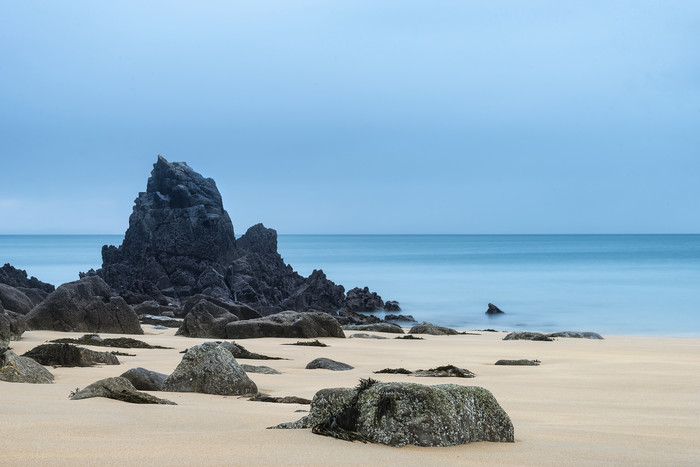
pixel 286 324
pixel 211 369
pixel 86 305
pixel 376 327
pixel 208 317
pixel 16 369
pixel 120 389
pixel 328 364
pixel 429 328
pixel 397 414
pixel 145 380
pixel 69 355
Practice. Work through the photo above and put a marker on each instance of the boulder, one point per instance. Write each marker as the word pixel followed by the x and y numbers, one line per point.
pixel 69 355
pixel 494 310
pixel 328 364
pixel 145 380
pixel 238 351
pixel 16 369
pixel 376 327
pixel 576 335
pixel 18 278
pixel 262 369
pixel 208 317
pixel 86 305
pixel 211 369
pixel 392 305
pixel 358 299
pixel 120 389
pixel 15 300
pixel 399 414
pixel 286 324
pixel 429 328
pixel 12 326
pixel 527 336
pixel 391 317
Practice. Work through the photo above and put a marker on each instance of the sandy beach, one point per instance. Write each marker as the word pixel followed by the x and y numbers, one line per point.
pixel 619 401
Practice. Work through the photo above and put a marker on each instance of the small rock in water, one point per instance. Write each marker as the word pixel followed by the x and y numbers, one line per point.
pixel 494 310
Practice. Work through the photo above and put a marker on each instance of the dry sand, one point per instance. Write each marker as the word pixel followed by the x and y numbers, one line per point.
pixel 620 401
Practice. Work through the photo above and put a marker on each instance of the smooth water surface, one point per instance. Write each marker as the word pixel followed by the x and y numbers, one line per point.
pixel 614 284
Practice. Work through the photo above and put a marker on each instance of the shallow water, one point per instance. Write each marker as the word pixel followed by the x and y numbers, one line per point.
pixel 614 284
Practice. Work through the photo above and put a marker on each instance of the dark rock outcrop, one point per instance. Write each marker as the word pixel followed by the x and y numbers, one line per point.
pixel 328 364
pixel 391 317
pixel 145 380
pixel 18 278
pixel 358 299
pixel 15 300
pixel 69 355
pixel 494 310
pixel 180 242
pixel 120 389
pixel 211 369
pixel 86 305
pixel 376 327
pixel 392 305
pixel 576 335
pixel 208 317
pixel 527 336
pixel 36 296
pixel 96 340
pixel 429 328
pixel 346 316
pixel 16 369
pixel 286 324
pixel 397 414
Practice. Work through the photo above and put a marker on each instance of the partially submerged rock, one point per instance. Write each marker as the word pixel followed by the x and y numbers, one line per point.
pixel 376 327
pixel 286 324
pixel 494 310
pixel 429 328
pixel 392 305
pixel 211 369
pixel 328 364
pixel 120 389
pixel 16 369
pixel 521 362
pixel 145 380
pixel 527 336
pixel 121 342
pixel 69 355
pixel 398 414
pixel 86 305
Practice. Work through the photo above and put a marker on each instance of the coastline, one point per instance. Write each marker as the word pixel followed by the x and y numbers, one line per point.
pixel 622 400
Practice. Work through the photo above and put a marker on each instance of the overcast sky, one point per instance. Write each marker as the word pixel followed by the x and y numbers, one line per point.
pixel 356 116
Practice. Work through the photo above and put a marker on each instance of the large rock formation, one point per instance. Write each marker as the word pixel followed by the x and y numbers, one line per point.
pixel 398 414
pixel 180 242
pixel 363 300
pixel 86 305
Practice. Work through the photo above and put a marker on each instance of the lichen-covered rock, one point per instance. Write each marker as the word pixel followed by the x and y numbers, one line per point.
pixel 358 299
pixel 576 335
pixel 69 355
pixel 376 327
pixel 429 328
pixel 398 414
pixel 86 305
pixel 120 389
pixel 208 317
pixel 527 336
pixel 327 364
pixel 211 369
pixel 15 300
pixel 286 324
pixel 16 369
pixel 145 380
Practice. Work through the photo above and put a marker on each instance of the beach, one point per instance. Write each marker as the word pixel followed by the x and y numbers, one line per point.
pixel 617 401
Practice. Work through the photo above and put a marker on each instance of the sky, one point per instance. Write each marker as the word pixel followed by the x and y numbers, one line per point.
pixel 454 117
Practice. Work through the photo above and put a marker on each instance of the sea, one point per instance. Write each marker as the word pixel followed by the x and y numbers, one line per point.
pixel 612 284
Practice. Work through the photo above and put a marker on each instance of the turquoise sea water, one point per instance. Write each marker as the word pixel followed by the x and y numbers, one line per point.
pixel 612 284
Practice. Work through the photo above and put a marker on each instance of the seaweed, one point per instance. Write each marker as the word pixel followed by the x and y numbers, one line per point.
pixel 343 424
pixel 314 343
pixel 395 371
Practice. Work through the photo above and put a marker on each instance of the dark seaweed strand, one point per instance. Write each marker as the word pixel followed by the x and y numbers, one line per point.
pixel 343 425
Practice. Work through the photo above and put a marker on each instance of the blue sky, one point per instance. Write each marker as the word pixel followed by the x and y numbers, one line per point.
pixel 356 116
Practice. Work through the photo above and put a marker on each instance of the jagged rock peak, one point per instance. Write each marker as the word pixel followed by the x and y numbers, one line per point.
pixel 259 239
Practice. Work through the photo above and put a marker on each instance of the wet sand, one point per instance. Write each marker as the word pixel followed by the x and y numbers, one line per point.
pixel 619 401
